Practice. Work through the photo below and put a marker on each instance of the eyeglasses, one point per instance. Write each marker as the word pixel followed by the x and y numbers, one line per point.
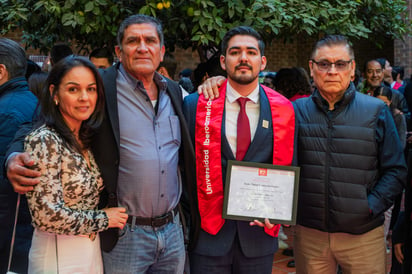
pixel 340 65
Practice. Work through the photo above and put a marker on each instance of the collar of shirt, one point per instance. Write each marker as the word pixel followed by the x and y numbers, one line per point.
pixel 232 110
pixel 133 82
pixel 232 95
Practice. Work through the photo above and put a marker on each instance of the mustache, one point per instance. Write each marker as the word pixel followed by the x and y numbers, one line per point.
pixel 243 65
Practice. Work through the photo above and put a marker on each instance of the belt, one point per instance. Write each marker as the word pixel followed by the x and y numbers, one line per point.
pixel 154 222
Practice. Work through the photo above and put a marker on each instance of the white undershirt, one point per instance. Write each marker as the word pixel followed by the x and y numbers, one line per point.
pixel 232 109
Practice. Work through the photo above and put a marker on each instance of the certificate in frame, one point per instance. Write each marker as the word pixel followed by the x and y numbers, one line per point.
pixel 255 191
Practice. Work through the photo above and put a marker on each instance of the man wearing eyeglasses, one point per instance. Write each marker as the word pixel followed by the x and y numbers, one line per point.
pixel 374 76
pixel 352 167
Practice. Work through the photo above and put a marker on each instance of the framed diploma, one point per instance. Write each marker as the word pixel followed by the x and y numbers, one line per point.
pixel 255 191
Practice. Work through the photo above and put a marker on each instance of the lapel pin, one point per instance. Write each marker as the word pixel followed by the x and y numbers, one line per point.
pixel 265 123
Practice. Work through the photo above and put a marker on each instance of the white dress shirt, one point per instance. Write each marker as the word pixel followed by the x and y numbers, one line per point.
pixel 232 109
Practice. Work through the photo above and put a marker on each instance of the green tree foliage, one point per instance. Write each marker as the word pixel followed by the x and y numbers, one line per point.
pixel 201 23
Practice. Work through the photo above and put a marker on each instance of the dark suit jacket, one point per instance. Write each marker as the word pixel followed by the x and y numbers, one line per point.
pixel 106 149
pixel 253 240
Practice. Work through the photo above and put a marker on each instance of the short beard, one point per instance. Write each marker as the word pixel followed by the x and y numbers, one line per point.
pixel 242 80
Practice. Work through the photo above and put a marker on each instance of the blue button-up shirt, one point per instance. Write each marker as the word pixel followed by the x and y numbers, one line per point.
pixel 149 182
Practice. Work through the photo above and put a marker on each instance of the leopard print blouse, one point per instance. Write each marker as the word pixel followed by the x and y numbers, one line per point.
pixel 65 201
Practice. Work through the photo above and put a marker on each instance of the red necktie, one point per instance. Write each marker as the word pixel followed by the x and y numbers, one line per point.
pixel 243 130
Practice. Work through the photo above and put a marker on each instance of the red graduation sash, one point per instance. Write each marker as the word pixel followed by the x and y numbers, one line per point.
pixel 208 134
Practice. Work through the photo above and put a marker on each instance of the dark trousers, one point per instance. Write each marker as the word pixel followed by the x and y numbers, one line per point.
pixel 19 262
pixel 234 262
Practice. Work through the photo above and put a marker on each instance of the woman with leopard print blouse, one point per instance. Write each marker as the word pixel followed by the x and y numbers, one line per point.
pixel 64 204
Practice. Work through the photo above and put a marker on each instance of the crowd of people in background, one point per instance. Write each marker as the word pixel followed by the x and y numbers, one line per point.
pixel 83 190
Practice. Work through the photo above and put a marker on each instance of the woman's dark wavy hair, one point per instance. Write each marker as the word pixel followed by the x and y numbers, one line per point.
pixel 383 91
pixel 51 114
pixel 292 81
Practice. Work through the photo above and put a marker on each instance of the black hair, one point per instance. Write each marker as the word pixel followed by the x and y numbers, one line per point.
pixel 139 19
pixel 50 112
pixel 242 30
pixel 365 66
pixel 398 70
pixel 187 72
pixel 382 61
pixel 59 51
pixel 102 53
pixel 187 84
pixel 36 82
pixel 206 69
pixel 333 40
pixel 292 81
pixel 32 67
pixel 383 91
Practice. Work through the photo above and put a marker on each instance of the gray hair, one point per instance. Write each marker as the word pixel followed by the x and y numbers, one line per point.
pixel 13 56
pixel 333 40
pixel 139 19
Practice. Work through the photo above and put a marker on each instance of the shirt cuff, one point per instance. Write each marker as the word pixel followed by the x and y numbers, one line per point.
pixel 8 158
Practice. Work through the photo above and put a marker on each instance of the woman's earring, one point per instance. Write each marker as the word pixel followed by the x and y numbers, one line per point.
pixel 56 102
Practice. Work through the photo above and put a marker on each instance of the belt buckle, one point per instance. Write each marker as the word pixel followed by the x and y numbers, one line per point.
pixel 159 221
pixel 162 220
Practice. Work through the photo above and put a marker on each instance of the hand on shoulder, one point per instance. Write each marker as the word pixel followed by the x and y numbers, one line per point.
pixel 21 177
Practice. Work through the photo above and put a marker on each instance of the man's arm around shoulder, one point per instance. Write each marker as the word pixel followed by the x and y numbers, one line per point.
pixel 17 164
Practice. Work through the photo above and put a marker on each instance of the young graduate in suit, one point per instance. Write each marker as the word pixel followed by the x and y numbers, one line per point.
pixel 229 246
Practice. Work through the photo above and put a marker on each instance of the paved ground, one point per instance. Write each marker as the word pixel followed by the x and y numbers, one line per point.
pixel 280 261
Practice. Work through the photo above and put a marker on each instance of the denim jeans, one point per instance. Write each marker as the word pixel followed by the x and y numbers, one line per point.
pixel 146 249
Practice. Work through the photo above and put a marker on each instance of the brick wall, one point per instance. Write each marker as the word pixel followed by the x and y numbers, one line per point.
pixel 186 58
pixel 403 49
pixel 281 54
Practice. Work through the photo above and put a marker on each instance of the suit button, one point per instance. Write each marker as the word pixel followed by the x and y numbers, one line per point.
pixel 112 195
pixel 116 163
